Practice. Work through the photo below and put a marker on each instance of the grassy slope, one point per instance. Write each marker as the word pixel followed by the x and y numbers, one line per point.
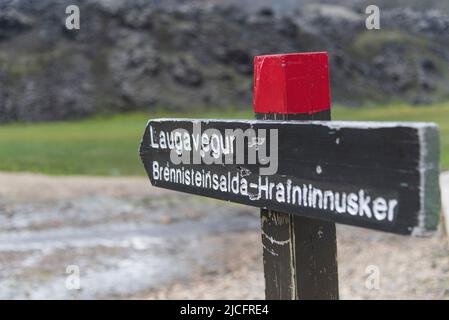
pixel 97 146
pixel 108 146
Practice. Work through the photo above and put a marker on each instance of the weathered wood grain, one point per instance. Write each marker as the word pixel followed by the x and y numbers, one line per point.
pixel 299 253
pixel 397 162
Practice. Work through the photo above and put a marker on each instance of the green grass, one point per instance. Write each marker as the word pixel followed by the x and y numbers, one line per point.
pixel 97 146
pixel 109 146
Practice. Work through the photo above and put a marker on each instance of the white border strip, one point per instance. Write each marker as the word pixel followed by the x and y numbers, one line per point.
pixel 330 124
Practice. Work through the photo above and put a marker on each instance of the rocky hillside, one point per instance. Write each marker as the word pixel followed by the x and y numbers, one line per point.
pixel 137 54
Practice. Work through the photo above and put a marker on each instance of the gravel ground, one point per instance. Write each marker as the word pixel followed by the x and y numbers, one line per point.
pixel 130 240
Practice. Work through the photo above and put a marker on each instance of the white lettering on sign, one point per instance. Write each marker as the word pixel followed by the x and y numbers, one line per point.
pixel 212 147
pixel 356 204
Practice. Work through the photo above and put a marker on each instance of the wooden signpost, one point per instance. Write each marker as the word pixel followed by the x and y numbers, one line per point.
pixel 304 175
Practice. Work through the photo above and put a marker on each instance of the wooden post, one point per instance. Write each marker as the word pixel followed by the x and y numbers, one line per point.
pixel 381 176
pixel 299 253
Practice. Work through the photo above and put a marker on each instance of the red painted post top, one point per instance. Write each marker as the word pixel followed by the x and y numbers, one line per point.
pixel 292 83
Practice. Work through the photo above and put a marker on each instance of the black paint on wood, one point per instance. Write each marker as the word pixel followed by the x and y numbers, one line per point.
pixel 315 258
pixel 279 255
pixel 299 253
pixel 369 161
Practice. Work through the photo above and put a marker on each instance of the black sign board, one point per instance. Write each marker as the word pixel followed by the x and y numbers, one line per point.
pixel 380 176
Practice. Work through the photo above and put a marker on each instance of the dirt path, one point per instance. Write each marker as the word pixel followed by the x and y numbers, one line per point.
pixel 130 240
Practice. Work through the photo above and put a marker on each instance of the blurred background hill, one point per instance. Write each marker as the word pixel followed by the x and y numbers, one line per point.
pixel 286 6
pixel 180 55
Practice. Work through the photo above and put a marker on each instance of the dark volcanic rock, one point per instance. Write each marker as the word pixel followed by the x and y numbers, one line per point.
pixel 140 54
pixel 12 23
